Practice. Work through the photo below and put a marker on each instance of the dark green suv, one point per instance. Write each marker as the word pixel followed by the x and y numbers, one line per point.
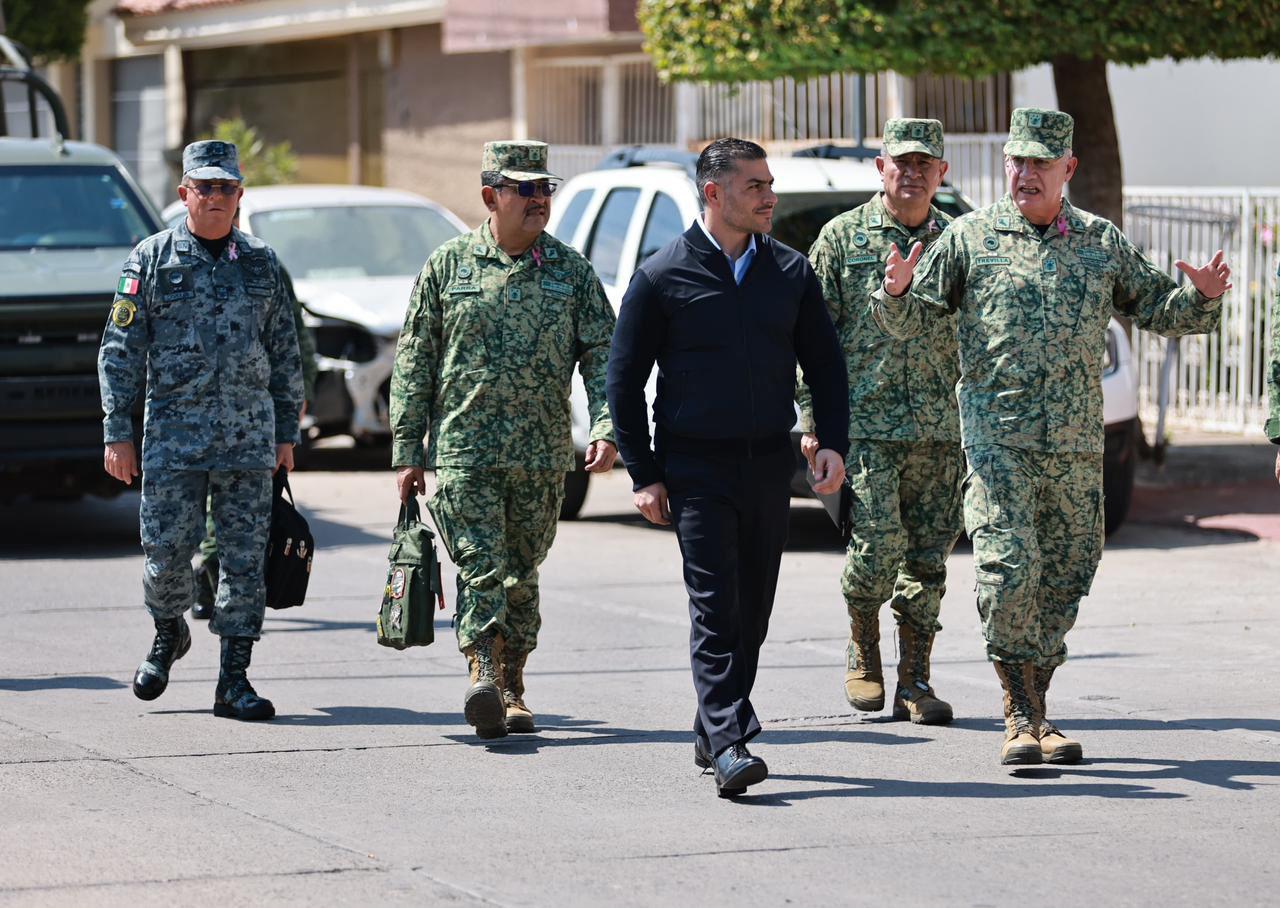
pixel 69 216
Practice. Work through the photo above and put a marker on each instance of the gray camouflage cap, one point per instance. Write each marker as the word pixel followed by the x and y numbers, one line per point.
pixel 211 160
pixel 517 160
pixel 1038 133
pixel 904 135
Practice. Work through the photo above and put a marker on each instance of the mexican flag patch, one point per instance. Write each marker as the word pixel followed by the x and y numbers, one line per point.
pixel 128 285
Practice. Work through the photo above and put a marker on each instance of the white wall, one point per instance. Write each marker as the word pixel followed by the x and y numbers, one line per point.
pixel 1197 123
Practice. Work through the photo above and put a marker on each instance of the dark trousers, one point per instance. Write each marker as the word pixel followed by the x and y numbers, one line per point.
pixel 730 513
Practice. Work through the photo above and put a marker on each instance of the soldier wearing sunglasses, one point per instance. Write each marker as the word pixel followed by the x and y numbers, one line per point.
pixel 497 321
pixel 203 318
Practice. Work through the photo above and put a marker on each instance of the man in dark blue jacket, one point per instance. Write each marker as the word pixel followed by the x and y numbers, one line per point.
pixel 726 312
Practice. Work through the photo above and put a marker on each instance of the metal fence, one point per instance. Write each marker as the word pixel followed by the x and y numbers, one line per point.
pixel 1218 381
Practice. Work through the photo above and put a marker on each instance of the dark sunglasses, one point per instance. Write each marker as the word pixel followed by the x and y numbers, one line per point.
pixel 527 189
pixel 205 190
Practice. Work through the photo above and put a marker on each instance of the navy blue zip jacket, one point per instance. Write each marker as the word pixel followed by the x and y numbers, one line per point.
pixel 726 353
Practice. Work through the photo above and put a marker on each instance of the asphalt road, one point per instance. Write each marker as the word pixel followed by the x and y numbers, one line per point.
pixel 369 788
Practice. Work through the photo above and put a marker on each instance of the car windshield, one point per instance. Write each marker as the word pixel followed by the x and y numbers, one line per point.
pixel 69 207
pixel 354 241
pixel 798 217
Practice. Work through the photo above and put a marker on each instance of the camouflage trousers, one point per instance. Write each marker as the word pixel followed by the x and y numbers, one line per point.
pixel 173 523
pixel 1036 522
pixel 497 525
pixel 906 520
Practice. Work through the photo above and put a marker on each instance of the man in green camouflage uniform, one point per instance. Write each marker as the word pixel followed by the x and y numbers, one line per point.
pixel 201 313
pixel 496 323
pixel 905 462
pixel 206 570
pixel 1034 281
pixel 1272 427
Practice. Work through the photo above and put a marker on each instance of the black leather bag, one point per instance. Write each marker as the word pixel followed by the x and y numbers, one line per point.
pixel 290 547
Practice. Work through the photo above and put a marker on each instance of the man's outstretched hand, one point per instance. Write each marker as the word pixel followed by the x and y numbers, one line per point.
pixel 1213 280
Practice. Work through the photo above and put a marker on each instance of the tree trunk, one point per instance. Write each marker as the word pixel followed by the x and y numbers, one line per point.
pixel 1098 186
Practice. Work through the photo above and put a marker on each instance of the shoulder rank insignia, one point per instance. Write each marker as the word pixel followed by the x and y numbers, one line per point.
pixel 550 254
pixel 122 313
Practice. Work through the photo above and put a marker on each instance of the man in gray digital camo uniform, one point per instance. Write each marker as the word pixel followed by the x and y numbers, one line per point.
pixel 1033 282
pixel 202 314
pixel 905 462
pixel 496 323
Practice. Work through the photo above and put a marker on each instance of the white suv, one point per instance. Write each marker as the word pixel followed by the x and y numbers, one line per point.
pixel 639 199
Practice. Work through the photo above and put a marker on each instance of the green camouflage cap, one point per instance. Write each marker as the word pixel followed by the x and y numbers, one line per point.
pixel 1038 133
pixel 211 160
pixel 903 135
pixel 517 160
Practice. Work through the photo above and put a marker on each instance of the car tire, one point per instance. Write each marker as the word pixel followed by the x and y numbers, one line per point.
pixel 1119 463
pixel 575 489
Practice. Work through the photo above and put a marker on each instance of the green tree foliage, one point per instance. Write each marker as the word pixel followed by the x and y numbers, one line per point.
pixel 50 29
pixel 260 163
pixel 729 40
pixel 742 40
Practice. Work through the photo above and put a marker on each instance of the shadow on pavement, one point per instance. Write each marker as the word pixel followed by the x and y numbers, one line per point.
pixel 65 682
pixel 1215 773
pixel 524 745
pixel 88 528
pixel 851 786
pixel 1125 723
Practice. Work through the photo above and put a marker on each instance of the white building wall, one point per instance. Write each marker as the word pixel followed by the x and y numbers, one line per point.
pixel 1195 123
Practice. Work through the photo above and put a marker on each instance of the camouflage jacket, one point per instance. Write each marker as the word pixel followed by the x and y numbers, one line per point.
pixel 1033 315
pixel 1273 371
pixel 898 390
pixel 486 357
pixel 215 342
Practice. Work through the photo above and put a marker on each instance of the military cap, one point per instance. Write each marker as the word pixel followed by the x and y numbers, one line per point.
pixel 903 135
pixel 211 160
pixel 1038 133
pixel 517 160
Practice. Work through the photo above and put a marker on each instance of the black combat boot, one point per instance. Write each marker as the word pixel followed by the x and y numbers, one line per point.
pixel 235 697
pixel 173 639
pixel 206 589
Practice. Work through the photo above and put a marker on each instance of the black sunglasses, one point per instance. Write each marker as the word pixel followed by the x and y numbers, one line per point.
pixel 204 190
pixel 527 189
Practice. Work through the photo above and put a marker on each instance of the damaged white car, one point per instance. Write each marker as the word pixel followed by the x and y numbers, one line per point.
pixel 353 253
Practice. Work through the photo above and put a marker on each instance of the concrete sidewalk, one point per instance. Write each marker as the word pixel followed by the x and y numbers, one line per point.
pixel 1214 482
pixel 370 788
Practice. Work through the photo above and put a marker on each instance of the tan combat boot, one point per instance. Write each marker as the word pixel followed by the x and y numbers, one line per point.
pixel 1054 745
pixel 483 704
pixel 864 678
pixel 519 716
pixel 1022 714
pixel 914 699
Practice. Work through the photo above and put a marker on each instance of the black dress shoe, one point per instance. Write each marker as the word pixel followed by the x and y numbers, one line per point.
pixel 736 768
pixel 702 757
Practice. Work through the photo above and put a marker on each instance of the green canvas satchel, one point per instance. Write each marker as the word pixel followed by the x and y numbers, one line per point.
pixel 414 587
